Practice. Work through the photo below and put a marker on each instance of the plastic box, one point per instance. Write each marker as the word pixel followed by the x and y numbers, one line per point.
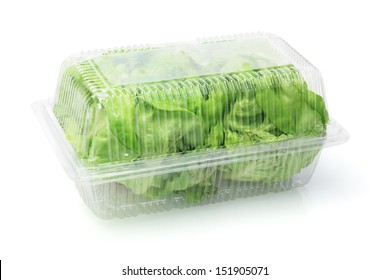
pixel 146 129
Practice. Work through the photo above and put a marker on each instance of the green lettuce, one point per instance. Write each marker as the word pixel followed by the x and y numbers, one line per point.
pixel 131 122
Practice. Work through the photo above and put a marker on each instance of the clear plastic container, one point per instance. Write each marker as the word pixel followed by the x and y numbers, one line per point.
pixel 147 129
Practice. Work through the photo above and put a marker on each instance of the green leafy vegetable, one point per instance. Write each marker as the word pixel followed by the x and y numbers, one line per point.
pixel 120 122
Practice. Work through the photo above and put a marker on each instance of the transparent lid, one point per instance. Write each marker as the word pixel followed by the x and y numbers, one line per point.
pixel 195 98
pixel 172 62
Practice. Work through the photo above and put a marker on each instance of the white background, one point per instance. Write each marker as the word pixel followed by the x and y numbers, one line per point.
pixel 337 227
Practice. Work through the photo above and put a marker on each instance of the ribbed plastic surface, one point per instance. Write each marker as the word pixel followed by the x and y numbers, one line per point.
pixel 153 128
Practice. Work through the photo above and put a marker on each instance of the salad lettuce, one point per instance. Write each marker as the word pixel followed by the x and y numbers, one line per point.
pixel 109 121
